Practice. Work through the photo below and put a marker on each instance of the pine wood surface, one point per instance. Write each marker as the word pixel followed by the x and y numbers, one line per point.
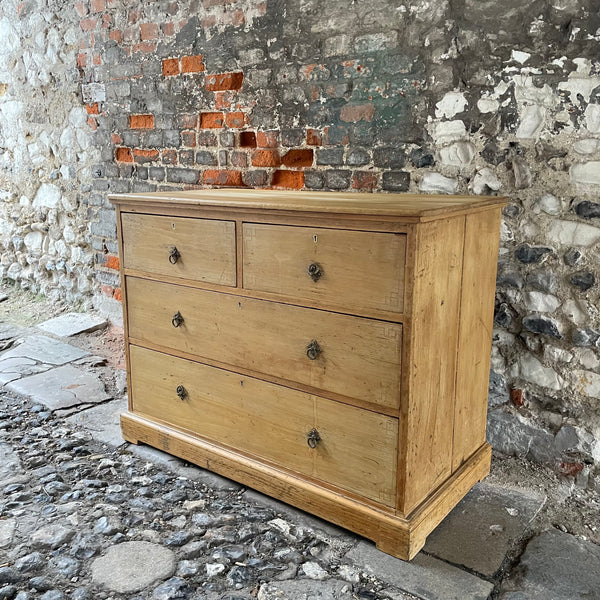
pixel 362 270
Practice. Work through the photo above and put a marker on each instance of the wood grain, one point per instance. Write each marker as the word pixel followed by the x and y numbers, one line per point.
pixel 207 247
pixel 357 450
pixel 360 269
pixel 475 333
pixel 360 357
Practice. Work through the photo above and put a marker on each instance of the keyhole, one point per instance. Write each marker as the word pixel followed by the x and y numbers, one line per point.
pixel 173 225
pixel 315 238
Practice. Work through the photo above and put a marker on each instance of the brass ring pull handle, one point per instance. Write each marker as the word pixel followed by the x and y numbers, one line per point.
pixel 174 255
pixel 177 319
pixel 313 350
pixel 315 271
pixel 313 438
pixel 181 392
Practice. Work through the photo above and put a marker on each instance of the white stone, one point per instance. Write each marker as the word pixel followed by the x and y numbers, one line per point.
pixel 93 92
pixel 506 234
pixel 532 370
pixel 213 569
pixel 48 196
pixel 449 131
pixel 587 383
pixel 592 118
pixel 69 234
pixel 549 204
pixel 587 146
pixel 435 182
pixel 485 179
pixel 587 358
pixel 586 173
pixel 450 105
pixel 554 354
pixel 458 154
pixel 580 82
pixel 573 233
pixel 487 105
pixel 540 302
pixel 314 571
pixel 14 271
pixel 575 312
pixel 532 122
pixel 33 241
pixel 520 57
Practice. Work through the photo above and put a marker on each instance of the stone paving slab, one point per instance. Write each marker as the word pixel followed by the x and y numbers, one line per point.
pixel 102 422
pixel 482 528
pixel 73 323
pixel 555 566
pixel 15 368
pixel 44 349
pixel 9 331
pixel 425 576
pixel 62 387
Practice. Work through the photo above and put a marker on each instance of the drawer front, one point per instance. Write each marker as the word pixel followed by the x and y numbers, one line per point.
pixel 353 269
pixel 205 248
pixel 358 357
pixel 357 450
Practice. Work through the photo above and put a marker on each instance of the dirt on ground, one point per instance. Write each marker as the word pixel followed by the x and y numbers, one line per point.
pixel 568 507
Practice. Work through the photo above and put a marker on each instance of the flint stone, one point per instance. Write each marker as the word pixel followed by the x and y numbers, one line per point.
pixel 435 182
pixel 583 281
pixel 572 256
pixel 588 210
pixel 51 537
pixel 531 254
pixel 62 387
pixel 555 565
pixel 332 589
pixel 545 281
pixel 497 392
pixel 585 337
pixel 479 532
pixel 172 589
pixel 541 325
pixel 538 302
pixel 425 576
pixel 45 350
pixel 133 566
pixel 73 323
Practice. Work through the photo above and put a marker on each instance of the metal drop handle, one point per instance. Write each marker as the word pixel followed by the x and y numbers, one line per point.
pixel 313 438
pixel 315 271
pixel 181 392
pixel 313 350
pixel 174 255
pixel 177 319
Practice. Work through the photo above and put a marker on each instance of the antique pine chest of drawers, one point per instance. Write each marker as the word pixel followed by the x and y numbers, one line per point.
pixel 331 350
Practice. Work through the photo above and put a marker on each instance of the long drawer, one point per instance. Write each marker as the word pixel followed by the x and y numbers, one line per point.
pixel 198 249
pixel 355 269
pixel 349 447
pixel 345 355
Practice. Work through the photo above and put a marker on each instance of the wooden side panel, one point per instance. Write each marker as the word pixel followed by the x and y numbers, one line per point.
pixel 475 333
pixel 206 247
pixel 432 370
pixel 357 449
pixel 358 269
pixel 359 358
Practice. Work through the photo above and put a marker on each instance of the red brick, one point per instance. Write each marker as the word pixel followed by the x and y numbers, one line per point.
pixel 239 159
pixel 145 47
pixel 170 67
pixel 107 290
pixel 223 100
pixel 97 59
pixel 364 180
pixel 293 180
pixel 168 28
pixel 298 158
pixel 133 16
pixel 571 469
pixel 209 21
pixel 187 120
pixel 353 113
pixel 111 262
pixel 211 120
pixel 235 119
pixel 81 59
pixel 141 121
pixel 143 156
pixel 116 35
pixel 192 64
pixel 265 158
pixel 92 123
pixel 81 9
pixel 223 177
pixel 173 8
pixel 169 157
pixel 107 21
pixel 220 82
pixel 238 18
pixel 116 138
pixel 124 155
pixel 88 24
pixel 92 109
pixel 98 5
pixel 149 31
pixel 248 139
pixel 188 138
pixel 117 295
pixel 314 137
pixel 516 397
pixel 267 139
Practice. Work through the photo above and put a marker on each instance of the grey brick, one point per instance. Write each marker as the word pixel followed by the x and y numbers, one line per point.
pixel 337 179
pixel 389 157
pixel 204 157
pixel 313 180
pixel 157 173
pixel 358 157
pixel 177 175
pixel 330 156
pixel 171 138
pixel 396 181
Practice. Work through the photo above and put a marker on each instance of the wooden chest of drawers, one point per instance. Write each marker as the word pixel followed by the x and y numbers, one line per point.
pixel 331 350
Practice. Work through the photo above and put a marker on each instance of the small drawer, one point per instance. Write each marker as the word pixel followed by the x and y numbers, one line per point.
pixel 353 269
pixel 198 249
pixel 345 446
pixel 350 356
